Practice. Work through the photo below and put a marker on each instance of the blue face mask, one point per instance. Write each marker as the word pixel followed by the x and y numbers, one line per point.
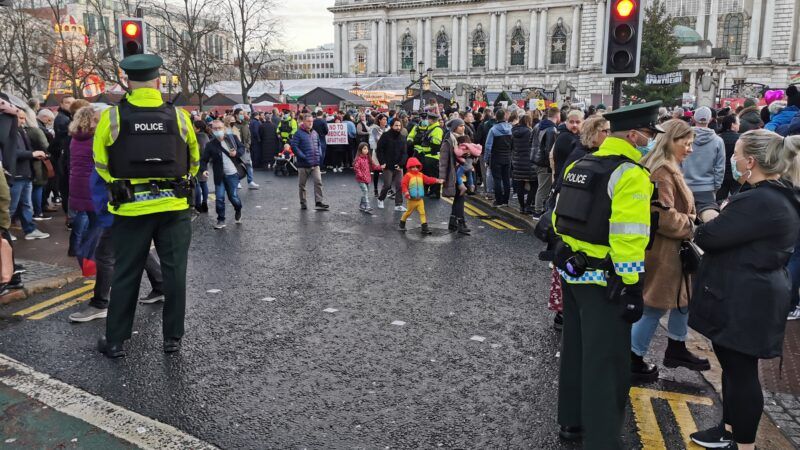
pixel 219 134
pixel 424 123
pixel 241 117
pixel 644 150
pixel 735 173
pixel 229 131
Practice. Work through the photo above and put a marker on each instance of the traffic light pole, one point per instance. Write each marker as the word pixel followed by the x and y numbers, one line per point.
pixel 616 93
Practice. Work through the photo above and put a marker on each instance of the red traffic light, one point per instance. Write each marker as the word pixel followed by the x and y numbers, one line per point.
pixel 624 8
pixel 131 29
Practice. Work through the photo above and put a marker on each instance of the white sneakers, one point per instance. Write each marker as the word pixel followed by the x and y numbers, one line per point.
pixel 795 314
pixel 380 204
pixel 253 185
pixel 400 208
pixel 36 234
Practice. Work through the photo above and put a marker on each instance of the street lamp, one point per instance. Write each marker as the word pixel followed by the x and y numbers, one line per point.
pixel 423 74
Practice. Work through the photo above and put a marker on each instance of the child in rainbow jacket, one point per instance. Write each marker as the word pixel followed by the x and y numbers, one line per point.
pixel 413 185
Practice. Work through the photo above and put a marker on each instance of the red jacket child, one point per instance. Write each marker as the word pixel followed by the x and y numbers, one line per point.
pixel 363 169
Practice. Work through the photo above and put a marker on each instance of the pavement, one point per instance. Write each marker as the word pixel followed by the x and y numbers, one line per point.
pixel 310 329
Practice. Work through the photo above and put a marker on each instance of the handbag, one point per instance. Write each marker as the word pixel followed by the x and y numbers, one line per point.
pixel 51 172
pixel 690 255
pixel 241 170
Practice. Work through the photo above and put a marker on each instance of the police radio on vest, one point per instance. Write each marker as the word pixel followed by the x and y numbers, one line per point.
pixel 577 178
pixel 157 126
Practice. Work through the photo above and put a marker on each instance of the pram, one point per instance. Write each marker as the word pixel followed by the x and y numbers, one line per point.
pixel 285 165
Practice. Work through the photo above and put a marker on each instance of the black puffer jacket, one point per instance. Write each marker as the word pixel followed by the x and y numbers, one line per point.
pixel 521 165
pixel 742 289
pixel 392 149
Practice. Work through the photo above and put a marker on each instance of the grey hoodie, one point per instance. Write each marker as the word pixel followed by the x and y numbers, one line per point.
pixel 704 169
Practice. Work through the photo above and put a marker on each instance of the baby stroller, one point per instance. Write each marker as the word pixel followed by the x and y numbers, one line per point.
pixel 284 164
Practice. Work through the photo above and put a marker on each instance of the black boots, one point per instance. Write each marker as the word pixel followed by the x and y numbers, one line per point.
pixel 425 229
pixel 462 227
pixel 571 434
pixel 402 225
pixel 111 350
pixel 677 355
pixel 453 224
pixel 642 371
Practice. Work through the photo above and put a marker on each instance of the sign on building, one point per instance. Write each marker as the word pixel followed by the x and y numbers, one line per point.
pixel 337 134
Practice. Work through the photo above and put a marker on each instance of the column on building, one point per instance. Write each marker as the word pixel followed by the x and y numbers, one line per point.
pixel 491 53
pixel 501 42
pixel 372 59
pixel 428 39
pixel 346 69
pixel 769 18
pixel 700 25
pixel 599 32
pixel 755 31
pixel 337 48
pixel 540 61
pixel 713 18
pixel 532 39
pixel 454 43
pixel 420 43
pixel 394 54
pixel 463 63
pixel 382 46
pixel 693 82
pixel 574 46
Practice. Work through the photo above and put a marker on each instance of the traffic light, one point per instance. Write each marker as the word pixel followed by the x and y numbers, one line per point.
pixel 131 37
pixel 623 42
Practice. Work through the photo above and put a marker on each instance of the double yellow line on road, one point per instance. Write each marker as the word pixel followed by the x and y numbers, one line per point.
pixel 473 211
pixel 66 300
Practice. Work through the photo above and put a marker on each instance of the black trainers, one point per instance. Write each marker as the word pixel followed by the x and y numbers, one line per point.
pixel 642 371
pixel 321 206
pixel 570 434
pixel 238 216
pixel 303 206
pixel 714 437
pixel 153 297
pixel 402 225
pixel 425 230
pixel 111 350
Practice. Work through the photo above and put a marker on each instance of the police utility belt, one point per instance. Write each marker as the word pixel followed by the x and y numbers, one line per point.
pixel 123 191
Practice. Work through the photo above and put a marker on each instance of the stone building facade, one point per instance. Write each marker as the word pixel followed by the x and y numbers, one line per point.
pixel 514 44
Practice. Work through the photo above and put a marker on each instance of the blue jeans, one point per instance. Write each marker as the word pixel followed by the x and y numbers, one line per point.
pixel 460 174
pixel 794 273
pixel 21 200
pixel 80 225
pixel 37 199
pixel 643 330
pixel 228 186
pixel 201 193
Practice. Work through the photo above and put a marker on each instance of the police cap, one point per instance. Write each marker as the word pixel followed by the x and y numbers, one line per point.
pixel 141 67
pixel 634 117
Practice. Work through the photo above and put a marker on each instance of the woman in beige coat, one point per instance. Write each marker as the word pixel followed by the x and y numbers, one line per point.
pixel 666 287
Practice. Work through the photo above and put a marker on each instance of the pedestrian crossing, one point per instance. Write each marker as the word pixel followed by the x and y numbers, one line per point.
pixel 487 218
pixel 58 303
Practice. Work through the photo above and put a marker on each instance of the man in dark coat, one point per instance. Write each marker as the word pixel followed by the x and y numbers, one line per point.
pixel 59 150
pixel 749 118
pixel 321 127
pixel 255 140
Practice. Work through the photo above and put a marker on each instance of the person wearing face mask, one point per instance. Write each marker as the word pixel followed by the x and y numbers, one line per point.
pixel 666 286
pixel 241 123
pixel 602 226
pixel 742 309
pixel 224 152
pixel 704 169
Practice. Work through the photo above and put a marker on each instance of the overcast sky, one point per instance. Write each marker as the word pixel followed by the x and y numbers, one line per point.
pixel 306 24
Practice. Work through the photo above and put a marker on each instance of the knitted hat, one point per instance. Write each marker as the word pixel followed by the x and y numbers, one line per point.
pixel 750 102
pixel 455 123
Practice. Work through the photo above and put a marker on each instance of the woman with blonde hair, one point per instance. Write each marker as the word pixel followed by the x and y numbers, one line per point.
pixel 666 287
pixel 742 289
pixel 81 165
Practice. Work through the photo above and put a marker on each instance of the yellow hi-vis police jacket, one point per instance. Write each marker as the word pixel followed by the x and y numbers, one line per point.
pixel 630 190
pixel 107 132
pixel 437 134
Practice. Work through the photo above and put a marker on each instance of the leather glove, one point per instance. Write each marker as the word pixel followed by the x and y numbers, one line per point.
pixel 632 302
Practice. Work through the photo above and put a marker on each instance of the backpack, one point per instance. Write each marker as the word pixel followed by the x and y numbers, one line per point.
pixel 539 154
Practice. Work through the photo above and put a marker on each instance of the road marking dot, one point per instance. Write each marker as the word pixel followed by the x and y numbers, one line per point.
pixel 268 299
pixel 284 209
pixel 330 310
pixel 481 227
pixel 258 207
pixel 342 212
pixel 399 323
pixel 213 291
pixel 11 440
pixel 477 338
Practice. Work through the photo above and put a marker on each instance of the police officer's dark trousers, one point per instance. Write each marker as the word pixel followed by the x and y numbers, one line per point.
pixel 430 167
pixel 171 232
pixel 595 366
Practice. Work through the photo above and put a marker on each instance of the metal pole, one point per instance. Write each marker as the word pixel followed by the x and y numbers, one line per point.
pixel 616 92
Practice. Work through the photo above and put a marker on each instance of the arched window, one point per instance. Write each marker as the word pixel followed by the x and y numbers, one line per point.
pixel 518 47
pixel 407 51
pixel 442 50
pixel 479 48
pixel 558 45
pixel 361 59
pixel 732 34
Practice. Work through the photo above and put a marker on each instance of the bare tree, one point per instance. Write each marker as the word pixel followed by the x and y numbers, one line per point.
pixel 104 38
pixel 73 60
pixel 26 44
pixel 189 28
pixel 253 32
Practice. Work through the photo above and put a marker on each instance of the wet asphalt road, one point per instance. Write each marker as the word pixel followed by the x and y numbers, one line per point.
pixel 264 366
